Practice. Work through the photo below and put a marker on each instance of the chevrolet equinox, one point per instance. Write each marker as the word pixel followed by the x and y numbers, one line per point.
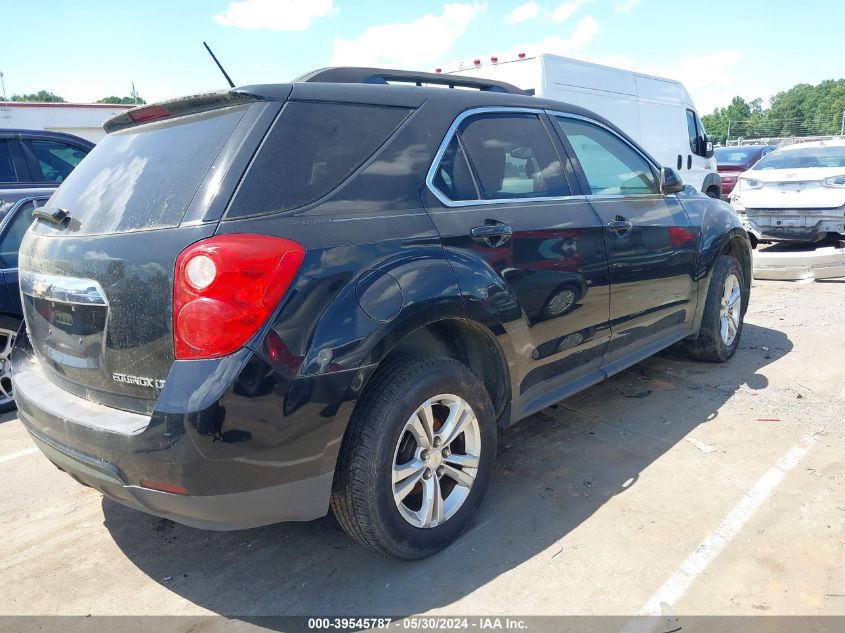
pixel 255 305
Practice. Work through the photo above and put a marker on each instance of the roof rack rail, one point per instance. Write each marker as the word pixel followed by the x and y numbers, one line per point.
pixel 360 75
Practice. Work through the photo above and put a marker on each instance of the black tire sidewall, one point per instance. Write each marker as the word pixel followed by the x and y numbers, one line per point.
pixel 410 541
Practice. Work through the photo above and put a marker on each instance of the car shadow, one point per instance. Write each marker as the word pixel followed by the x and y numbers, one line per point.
pixel 554 470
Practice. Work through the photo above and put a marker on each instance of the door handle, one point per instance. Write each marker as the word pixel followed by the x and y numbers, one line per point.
pixel 689 161
pixel 620 225
pixel 492 232
pixel 680 161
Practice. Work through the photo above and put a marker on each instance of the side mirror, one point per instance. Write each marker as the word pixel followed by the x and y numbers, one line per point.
pixel 707 146
pixel 670 181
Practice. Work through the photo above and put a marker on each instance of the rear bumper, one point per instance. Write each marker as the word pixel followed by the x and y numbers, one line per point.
pixel 728 186
pixel 296 501
pixel 809 225
pixel 794 263
pixel 258 453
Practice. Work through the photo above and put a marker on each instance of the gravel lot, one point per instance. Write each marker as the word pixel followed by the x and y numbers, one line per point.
pixel 675 486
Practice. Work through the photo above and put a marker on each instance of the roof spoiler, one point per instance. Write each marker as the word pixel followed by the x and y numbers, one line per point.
pixel 180 106
pixel 360 75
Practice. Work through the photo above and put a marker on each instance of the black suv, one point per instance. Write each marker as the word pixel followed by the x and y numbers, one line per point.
pixel 251 306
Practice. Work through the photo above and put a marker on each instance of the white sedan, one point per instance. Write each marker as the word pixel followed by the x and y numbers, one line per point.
pixel 796 193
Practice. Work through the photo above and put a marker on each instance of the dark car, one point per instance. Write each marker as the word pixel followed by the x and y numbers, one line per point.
pixel 36 158
pixel 16 207
pixel 246 307
pixel 732 161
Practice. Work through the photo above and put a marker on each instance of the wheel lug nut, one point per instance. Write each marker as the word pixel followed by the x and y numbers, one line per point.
pixel 427 473
pixel 437 441
pixel 424 455
pixel 440 471
pixel 446 452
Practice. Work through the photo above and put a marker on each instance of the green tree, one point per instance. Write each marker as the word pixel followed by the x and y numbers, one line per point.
pixel 723 120
pixel 803 110
pixel 123 100
pixel 43 96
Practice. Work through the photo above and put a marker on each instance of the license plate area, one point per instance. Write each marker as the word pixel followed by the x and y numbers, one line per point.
pixel 67 320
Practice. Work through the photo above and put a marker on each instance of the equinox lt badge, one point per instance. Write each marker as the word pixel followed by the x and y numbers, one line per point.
pixel 141 381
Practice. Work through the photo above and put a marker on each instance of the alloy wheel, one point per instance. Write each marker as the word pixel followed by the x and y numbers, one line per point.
pixel 7 342
pixel 730 311
pixel 436 461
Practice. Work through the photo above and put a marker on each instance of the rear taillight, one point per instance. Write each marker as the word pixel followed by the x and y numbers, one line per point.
pixel 148 113
pixel 225 288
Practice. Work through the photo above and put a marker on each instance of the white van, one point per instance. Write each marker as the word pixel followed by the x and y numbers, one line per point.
pixel 657 113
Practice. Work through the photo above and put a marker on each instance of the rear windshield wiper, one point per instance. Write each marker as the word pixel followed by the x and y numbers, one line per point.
pixel 50 214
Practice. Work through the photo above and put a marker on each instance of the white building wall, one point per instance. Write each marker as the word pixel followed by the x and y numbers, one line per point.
pixel 82 119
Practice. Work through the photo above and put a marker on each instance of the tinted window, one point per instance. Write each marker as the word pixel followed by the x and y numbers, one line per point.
pixel 145 177
pixel 7 167
pixel 453 177
pixel 10 243
pixel 311 150
pixel 513 156
pixel 56 160
pixel 609 163
pixel 831 156
pixel 692 131
pixel 734 155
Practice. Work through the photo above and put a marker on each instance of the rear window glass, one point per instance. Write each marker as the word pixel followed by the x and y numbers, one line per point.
pixel 734 155
pixel 310 151
pixel 805 157
pixel 145 177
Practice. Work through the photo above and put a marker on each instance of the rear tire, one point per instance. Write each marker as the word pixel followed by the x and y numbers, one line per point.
pixel 417 457
pixel 724 313
pixel 8 331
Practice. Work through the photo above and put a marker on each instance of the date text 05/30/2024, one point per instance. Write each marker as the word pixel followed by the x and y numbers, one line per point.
pixel 419 623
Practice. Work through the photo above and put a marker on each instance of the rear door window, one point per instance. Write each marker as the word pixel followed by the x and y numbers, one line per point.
pixel 145 177
pixel 512 156
pixel 56 160
pixel 453 178
pixel 310 151
pixel 7 166
pixel 611 166
pixel 10 242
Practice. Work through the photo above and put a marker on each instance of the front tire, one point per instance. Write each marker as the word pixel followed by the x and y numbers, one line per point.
pixel 417 457
pixel 724 313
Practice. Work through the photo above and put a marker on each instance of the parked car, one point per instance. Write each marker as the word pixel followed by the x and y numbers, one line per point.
pixel 732 161
pixel 657 112
pixel 247 306
pixel 36 158
pixel 16 207
pixel 796 193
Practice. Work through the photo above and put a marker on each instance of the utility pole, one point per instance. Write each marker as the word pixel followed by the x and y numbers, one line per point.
pixel 728 138
pixel 3 85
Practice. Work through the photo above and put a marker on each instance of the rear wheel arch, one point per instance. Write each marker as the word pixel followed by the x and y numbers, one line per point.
pixel 466 341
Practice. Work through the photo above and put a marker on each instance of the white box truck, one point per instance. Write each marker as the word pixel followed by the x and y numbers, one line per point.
pixel 658 113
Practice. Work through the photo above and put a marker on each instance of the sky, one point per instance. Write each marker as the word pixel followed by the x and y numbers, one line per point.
pixel 90 49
